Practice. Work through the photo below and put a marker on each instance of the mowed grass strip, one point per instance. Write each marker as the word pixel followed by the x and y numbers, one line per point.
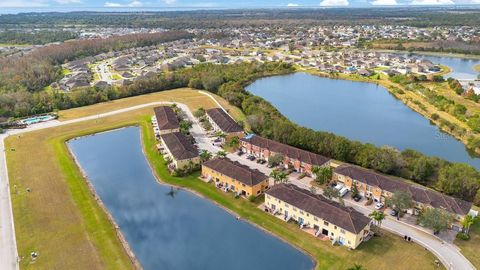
pixel 61 220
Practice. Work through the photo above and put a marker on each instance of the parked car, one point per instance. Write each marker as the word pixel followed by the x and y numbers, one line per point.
pixel 252 158
pixel 343 191
pixel 379 206
pixel 239 153
pixel 217 140
pixel 357 197
pixel 393 212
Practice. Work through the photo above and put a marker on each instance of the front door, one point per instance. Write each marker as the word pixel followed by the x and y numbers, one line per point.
pixel 325 232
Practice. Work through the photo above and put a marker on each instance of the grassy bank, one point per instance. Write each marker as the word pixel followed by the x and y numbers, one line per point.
pixel 61 220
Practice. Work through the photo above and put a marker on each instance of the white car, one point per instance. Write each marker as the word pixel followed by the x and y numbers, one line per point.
pixel 379 206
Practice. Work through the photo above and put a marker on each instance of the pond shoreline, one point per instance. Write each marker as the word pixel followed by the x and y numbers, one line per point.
pixel 135 262
pixel 229 211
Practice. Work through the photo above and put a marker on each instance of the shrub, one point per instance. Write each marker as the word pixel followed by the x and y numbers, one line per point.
pixel 435 116
pixel 251 198
pixel 462 236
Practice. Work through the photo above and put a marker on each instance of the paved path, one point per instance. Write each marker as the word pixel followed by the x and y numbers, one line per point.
pixel 447 253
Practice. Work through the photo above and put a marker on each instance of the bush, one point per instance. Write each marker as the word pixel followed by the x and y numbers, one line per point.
pixel 435 116
pixel 462 236
pixel 251 198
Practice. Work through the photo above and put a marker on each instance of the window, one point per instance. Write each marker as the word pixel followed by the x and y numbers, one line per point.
pixel 335 227
pixel 343 231
pixel 301 212
pixel 315 218
pixel 325 223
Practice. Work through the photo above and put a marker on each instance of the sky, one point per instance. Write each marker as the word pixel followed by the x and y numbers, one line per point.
pixel 212 4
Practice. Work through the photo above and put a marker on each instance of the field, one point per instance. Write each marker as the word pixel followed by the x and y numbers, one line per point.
pixel 60 219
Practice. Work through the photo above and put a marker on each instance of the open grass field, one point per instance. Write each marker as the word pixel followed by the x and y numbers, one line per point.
pixel 61 220
pixel 471 248
pixel 187 96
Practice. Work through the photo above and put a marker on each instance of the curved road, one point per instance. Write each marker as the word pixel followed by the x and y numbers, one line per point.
pixel 448 253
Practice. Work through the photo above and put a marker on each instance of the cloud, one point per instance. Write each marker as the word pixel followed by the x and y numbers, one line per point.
pixel 131 4
pixel 334 3
pixel 23 3
pixel 64 2
pixel 384 3
pixel 431 2
pixel 169 2
pixel 292 5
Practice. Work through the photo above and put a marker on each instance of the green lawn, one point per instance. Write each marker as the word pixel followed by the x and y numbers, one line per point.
pixel 471 247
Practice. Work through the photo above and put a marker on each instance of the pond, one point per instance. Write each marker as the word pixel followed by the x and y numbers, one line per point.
pixel 171 228
pixel 359 111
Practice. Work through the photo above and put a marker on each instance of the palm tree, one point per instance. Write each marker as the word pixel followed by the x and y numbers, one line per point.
pixel 205 155
pixel 274 174
pixel 378 216
pixel 283 177
pixel 467 221
pixel 221 154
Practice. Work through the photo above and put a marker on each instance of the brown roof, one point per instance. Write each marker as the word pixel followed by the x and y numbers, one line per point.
pixel 224 121
pixel 419 194
pixel 236 171
pixel 179 145
pixel 344 217
pixel 287 150
pixel 166 117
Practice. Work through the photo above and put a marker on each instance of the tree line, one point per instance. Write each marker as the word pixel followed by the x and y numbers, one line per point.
pixel 35 38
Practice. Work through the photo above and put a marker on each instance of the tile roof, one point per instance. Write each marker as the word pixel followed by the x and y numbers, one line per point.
pixel 236 171
pixel 287 150
pixel 180 146
pixel 344 217
pixel 419 194
pixel 166 117
pixel 224 121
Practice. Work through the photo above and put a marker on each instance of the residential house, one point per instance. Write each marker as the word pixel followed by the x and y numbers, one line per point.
pixel 167 120
pixel 379 187
pixel 235 176
pixel 179 149
pixel 300 160
pixel 341 224
pixel 222 122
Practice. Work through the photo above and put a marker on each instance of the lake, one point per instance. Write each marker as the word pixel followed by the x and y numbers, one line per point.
pixel 462 68
pixel 174 231
pixel 359 111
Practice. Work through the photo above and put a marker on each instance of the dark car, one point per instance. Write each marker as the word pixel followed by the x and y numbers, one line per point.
pixel 357 197
pixel 393 212
pixel 252 158
pixel 263 161
pixel 239 153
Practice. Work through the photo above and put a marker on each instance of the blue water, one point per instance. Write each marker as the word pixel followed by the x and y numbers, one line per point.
pixel 178 232
pixel 359 111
